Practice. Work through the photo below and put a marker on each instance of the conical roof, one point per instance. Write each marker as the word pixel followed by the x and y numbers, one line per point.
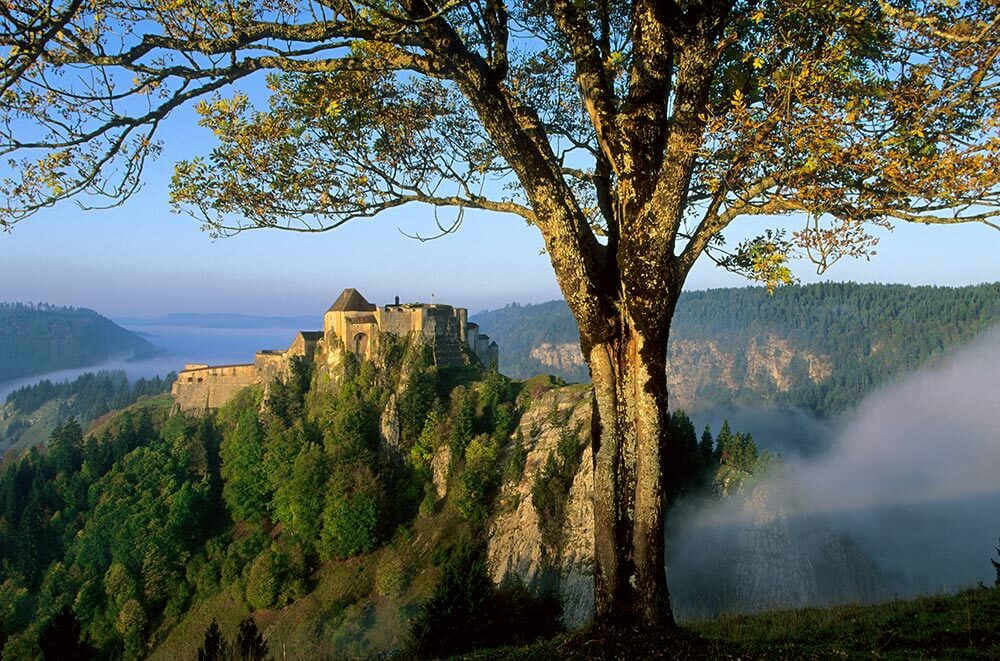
pixel 351 300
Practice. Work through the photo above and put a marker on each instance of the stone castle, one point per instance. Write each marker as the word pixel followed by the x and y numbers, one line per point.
pixel 351 325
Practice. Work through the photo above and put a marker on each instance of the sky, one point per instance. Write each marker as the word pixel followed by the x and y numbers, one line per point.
pixel 143 260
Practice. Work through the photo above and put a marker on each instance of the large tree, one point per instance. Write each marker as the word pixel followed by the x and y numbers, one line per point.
pixel 631 134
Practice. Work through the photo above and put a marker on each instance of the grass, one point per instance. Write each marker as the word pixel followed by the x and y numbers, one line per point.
pixel 962 626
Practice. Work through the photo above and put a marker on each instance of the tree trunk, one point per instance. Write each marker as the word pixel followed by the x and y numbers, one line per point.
pixel 629 442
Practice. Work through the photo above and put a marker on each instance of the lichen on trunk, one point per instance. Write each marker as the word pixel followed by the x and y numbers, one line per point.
pixel 630 436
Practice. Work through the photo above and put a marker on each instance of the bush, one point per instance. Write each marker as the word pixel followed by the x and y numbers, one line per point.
pixel 390 577
pixel 351 515
pixel 457 617
pixel 480 478
pixel 276 578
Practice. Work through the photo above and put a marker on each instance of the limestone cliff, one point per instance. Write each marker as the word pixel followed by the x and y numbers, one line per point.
pixel 515 541
pixel 697 369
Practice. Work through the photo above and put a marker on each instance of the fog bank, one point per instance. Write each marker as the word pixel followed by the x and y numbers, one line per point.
pixel 905 501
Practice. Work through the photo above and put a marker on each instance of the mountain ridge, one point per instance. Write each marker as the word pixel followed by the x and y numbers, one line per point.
pixel 818 347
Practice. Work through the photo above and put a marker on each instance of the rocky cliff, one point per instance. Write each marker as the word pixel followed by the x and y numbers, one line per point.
pixel 701 368
pixel 516 545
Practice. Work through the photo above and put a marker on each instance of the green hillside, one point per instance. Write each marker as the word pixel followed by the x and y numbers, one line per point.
pixel 824 346
pixel 31 413
pixel 35 339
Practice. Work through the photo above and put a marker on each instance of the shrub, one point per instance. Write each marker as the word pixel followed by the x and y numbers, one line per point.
pixel 390 577
pixel 351 515
pixel 457 617
pixel 480 478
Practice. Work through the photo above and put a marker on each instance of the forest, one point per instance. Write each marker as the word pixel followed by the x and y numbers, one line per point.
pixel 39 338
pixel 90 395
pixel 871 334
pixel 108 538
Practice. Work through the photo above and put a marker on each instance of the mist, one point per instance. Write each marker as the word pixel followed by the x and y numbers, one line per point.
pixel 179 344
pixel 898 499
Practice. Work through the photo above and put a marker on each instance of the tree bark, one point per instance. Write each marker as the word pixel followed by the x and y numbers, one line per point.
pixel 629 443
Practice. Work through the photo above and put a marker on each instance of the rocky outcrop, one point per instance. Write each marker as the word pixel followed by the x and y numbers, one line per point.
pixel 516 548
pixel 389 429
pixel 440 463
pixel 699 367
pixel 565 356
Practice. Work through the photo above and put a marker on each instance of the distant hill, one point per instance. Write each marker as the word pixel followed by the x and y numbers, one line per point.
pixel 820 347
pixel 35 339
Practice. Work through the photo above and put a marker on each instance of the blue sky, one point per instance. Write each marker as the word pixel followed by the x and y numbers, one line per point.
pixel 143 260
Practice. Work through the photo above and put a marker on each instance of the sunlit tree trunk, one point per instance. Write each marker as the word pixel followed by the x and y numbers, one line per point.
pixel 630 440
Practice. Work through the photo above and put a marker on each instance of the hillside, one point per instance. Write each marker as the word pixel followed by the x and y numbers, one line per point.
pixel 30 414
pixel 35 339
pixel 818 347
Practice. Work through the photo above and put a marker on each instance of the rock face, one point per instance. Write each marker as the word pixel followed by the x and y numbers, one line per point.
pixel 439 470
pixel 516 548
pixel 563 356
pixel 769 364
pixel 389 429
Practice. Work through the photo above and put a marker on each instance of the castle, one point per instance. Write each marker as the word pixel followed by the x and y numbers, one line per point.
pixel 352 325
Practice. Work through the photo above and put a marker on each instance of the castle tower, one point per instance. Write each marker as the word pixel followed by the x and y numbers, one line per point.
pixel 351 319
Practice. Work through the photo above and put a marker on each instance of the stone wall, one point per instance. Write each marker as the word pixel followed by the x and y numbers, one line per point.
pixel 271 365
pixel 203 388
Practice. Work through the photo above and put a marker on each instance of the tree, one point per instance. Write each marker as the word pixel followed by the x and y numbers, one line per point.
pixel 246 489
pixel 996 568
pixel 214 646
pixel 250 643
pixel 62 638
pixel 631 134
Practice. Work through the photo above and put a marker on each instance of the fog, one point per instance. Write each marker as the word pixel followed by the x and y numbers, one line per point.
pixel 180 345
pixel 900 498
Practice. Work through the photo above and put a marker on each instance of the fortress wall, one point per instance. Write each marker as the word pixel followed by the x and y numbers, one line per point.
pixel 271 365
pixel 471 335
pixel 301 346
pixel 369 329
pixel 483 349
pixel 396 320
pixel 210 387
